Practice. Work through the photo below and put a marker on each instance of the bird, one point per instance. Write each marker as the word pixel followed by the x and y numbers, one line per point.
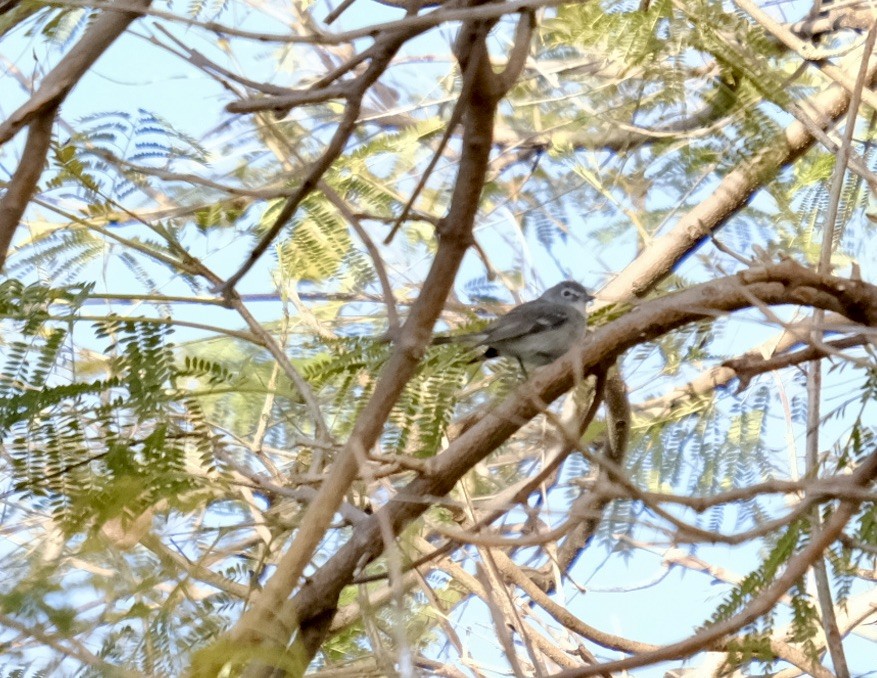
pixel 535 333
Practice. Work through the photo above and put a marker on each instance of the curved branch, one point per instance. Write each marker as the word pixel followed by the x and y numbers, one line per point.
pixel 24 181
pixel 39 112
pixel 261 630
pixel 783 283
pixel 730 196
pixel 57 84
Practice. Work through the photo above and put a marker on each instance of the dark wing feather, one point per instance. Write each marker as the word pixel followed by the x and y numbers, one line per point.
pixel 522 321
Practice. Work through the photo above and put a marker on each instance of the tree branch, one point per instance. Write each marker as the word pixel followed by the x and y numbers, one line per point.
pixel 778 284
pixel 24 181
pixel 261 625
pixel 752 364
pixel 39 112
pixel 796 567
pixel 383 51
pixel 659 259
pixel 57 84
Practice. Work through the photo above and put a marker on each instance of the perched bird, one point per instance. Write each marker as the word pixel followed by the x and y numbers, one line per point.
pixel 535 333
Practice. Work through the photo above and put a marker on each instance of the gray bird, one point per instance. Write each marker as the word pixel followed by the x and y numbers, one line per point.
pixel 535 333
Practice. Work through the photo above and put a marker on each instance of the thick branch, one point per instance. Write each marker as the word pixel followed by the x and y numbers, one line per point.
pixel 61 79
pixel 261 625
pixel 23 183
pixel 730 196
pixel 780 284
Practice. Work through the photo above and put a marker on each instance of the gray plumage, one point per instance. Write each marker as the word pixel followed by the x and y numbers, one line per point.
pixel 535 333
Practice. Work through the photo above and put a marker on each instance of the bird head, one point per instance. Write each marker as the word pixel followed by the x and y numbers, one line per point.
pixel 570 293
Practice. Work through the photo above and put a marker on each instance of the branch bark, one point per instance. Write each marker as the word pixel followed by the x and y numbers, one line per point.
pixel 24 181
pixel 784 283
pixel 261 626
pixel 731 195
pixel 39 113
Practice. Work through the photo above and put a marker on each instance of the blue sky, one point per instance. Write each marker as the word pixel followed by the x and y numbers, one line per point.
pixel 136 75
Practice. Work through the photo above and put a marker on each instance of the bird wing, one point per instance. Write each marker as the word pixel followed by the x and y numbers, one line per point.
pixel 522 321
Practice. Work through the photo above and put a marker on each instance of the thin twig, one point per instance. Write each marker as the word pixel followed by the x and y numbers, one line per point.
pixel 795 568
pixel 72 648
pixel 172 322
pixel 390 43
pixel 338 11
pixel 814 373
pixel 304 388
pixel 419 22
pixel 377 261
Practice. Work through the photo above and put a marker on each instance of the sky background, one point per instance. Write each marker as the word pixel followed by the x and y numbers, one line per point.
pixel 632 594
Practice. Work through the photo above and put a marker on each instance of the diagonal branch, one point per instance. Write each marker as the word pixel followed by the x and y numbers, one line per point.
pixel 60 80
pixel 261 627
pixel 618 416
pixel 783 283
pixel 39 113
pixel 24 181
pixel 732 194
pixel 383 50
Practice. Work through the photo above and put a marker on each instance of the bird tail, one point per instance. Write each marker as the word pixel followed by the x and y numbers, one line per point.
pixel 472 339
pixel 442 339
